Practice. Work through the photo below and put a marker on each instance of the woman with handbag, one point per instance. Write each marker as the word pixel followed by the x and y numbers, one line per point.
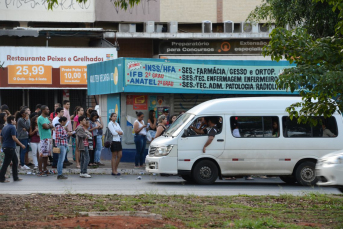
pixel 116 147
pixel 62 137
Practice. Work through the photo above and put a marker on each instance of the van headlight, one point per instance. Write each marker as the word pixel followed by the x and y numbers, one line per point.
pixel 334 160
pixel 163 150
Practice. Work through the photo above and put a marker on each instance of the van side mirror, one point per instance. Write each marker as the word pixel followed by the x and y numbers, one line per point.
pixel 185 133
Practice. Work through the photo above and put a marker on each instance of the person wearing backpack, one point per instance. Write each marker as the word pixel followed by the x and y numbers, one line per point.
pixel 116 147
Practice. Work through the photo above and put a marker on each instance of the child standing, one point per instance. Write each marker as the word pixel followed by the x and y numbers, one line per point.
pixel 82 135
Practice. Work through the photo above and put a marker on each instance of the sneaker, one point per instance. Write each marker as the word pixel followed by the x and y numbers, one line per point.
pixel 36 167
pixel 81 174
pixel 85 175
pixel 61 177
pixel 25 167
pixel 19 179
pixel 42 174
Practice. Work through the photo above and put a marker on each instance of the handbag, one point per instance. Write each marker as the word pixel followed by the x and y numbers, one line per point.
pixel 148 136
pixel 56 150
pixel 108 138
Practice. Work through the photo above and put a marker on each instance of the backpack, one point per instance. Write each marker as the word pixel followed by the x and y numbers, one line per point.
pixel 108 138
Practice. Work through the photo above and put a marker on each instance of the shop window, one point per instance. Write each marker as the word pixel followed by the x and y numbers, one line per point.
pixel 254 126
pixel 325 128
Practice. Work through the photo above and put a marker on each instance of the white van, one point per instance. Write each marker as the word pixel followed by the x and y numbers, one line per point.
pixel 267 142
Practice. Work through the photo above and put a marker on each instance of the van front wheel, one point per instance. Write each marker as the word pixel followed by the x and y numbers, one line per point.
pixel 288 179
pixel 205 172
pixel 306 173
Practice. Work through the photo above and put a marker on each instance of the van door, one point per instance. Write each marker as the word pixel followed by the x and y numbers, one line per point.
pixel 191 147
pixel 252 145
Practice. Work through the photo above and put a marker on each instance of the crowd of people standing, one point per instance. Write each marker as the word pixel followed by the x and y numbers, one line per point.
pixel 47 135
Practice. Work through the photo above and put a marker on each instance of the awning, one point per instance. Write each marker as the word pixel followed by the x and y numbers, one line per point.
pixel 19 33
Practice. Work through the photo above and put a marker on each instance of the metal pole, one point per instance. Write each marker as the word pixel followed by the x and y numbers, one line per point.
pixel 23 97
pixel 28 97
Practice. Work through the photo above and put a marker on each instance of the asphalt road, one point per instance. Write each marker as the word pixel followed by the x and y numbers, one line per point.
pixel 130 185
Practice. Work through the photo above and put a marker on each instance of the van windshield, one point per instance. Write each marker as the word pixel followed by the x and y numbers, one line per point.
pixel 179 124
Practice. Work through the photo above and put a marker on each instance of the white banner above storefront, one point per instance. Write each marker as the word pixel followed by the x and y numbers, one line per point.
pixel 55 57
pixel 33 65
pixel 37 10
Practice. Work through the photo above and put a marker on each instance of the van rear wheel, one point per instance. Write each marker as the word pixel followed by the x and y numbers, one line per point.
pixel 288 179
pixel 306 174
pixel 205 172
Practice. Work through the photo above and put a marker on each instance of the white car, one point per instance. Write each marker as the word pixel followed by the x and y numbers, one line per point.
pixel 329 170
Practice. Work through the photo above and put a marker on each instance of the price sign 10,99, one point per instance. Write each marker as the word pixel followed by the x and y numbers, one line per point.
pixel 29 74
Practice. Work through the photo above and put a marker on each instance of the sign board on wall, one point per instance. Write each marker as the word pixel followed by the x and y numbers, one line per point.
pixel 37 10
pixel 202 77
pixel 33 65
pixel 138 75
pixel 222 47
pixel 140 102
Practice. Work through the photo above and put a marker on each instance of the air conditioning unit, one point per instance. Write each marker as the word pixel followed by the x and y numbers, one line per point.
pixel 172 27
pixel 248 27
pixel 149 26
pixel 206 26
pixel 263 28
pixel 127 28
pixel 228 26
pixel 158 28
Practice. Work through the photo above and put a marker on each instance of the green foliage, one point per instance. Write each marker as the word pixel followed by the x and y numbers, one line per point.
pixel 315 46
pixel 123 4
pixel 317 17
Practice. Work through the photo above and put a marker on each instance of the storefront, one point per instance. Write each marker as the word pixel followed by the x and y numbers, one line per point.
pixel 127 85
pixel 32 75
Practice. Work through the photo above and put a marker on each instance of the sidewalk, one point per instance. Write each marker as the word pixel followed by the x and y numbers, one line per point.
pixel 124 168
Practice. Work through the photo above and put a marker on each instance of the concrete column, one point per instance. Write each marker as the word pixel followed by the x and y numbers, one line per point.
pixel 219 11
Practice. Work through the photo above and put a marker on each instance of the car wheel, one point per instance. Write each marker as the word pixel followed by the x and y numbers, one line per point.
pixel 205 172
pixel 187 178
pixel 288 179
pixel 306 174
pixel 340 189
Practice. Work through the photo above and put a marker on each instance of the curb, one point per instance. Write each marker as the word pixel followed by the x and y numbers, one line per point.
pixel 99 171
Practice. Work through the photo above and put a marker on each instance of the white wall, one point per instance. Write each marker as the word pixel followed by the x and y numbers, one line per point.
pixel 66 11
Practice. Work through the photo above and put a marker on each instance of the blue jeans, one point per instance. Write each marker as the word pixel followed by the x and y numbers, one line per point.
pixel 98 148
pixel 84 160
pixel 23 151
pixel 55 156
pixel 140 141
pixel 61 158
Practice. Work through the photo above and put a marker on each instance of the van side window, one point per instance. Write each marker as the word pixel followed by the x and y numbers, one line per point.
pixel 255 126
pixel 325 128
pixel 200 125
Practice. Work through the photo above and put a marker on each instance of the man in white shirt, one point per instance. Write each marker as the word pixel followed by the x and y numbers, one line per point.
pixel 66 106
pixel 59 113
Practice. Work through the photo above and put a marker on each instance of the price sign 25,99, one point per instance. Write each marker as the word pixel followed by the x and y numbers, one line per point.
pixel 29 74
